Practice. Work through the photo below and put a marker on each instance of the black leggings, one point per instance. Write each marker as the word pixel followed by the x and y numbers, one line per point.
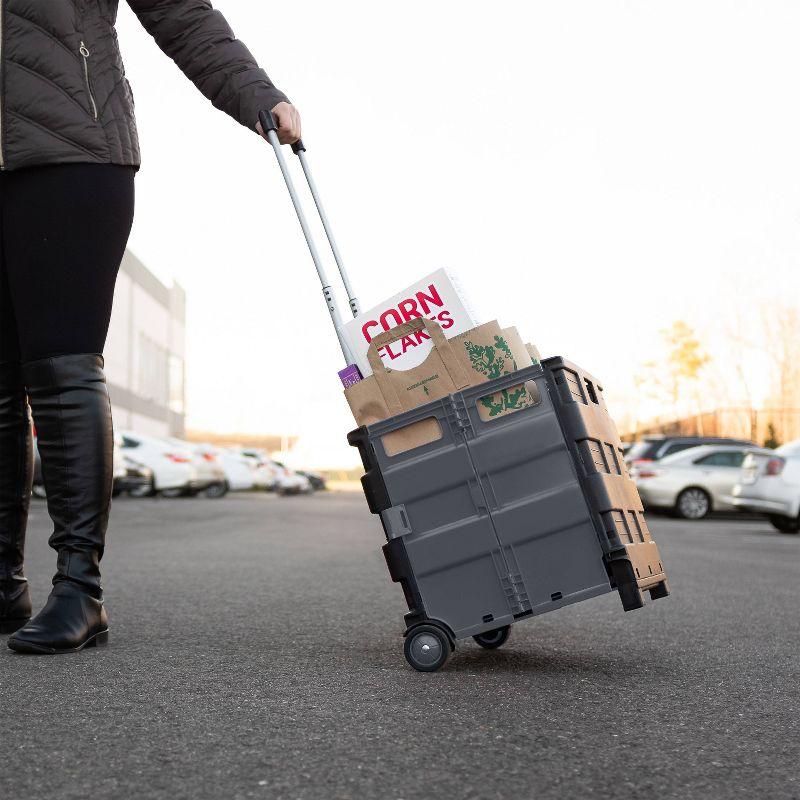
pixel 63 231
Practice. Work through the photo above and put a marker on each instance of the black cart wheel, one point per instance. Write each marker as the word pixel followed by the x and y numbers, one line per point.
pixel 427 648
pixel 491 640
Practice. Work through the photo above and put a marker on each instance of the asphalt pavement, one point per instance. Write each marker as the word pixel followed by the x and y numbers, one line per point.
pixel 256 652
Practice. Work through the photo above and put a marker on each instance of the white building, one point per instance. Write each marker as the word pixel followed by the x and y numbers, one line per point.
pixel 145 352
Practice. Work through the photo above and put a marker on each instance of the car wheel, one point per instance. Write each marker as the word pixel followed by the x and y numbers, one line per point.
pixel 786 524
pixel 217 490
pixel 146 489
pixel 693 503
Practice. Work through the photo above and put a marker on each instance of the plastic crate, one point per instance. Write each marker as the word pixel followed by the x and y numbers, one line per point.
pixel 502 519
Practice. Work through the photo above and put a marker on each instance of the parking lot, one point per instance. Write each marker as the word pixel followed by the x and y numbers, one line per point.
pixel 256 652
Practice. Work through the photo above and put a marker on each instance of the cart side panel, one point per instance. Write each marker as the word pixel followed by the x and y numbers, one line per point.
pixel 631 553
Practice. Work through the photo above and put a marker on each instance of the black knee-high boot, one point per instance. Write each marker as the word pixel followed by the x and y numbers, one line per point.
pixel 72 415
pixel 16 474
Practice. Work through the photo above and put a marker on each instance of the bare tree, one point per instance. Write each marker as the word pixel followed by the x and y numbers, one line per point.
pixel 739 343
pixel 781 324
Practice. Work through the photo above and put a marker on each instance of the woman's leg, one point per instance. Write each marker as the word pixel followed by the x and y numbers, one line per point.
pixel 16 468
pixel 66 228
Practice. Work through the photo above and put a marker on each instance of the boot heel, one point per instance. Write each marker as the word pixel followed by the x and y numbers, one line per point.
pixel 101 640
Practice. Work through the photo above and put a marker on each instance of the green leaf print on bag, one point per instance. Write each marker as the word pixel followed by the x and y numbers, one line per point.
pixel 501 344
pixel 491 361
pixel 512 399
pixel 494 408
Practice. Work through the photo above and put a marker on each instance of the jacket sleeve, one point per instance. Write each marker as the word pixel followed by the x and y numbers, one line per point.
pixel 200 41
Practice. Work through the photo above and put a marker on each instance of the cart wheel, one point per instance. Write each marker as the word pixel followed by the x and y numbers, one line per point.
pixel 491 640
pixel 427 648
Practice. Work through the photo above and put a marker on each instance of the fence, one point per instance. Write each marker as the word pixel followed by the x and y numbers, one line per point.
pixel 741 423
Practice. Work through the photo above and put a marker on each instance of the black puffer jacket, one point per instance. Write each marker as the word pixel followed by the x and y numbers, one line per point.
pixel 63 93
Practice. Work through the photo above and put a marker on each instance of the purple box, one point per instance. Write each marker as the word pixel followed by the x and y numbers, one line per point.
pixel 350 375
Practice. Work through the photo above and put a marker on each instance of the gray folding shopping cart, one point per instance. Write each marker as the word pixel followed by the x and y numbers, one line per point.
pixel 498 519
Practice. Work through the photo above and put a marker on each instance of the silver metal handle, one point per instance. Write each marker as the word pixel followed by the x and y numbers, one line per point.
pixel 300 151
pixel 270 129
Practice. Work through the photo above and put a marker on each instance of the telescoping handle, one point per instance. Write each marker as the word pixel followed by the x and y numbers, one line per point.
pixel 270 128
pixel 299 149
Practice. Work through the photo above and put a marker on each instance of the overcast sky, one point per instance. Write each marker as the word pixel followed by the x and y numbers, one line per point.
pixel 591 170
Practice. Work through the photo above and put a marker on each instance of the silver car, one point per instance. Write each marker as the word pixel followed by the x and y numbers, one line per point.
pixel 692 482
pixel 770 484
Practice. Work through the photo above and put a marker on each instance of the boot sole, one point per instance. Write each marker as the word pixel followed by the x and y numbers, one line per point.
pixel 98 640
pixel 12 625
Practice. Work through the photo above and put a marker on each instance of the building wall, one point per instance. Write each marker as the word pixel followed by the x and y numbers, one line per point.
pixel 758 425
pixel 145 352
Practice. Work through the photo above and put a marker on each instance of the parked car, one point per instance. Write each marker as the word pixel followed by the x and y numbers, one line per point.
pixel 120 467
pixel 211 478
pixel 290 482
pixel 770 484
pixel 262 469
pixel 316 480
pixel 692 482
pixel 137 482
pixel 238 469
pixel 274 476
pixel 173 468
pixel 654 448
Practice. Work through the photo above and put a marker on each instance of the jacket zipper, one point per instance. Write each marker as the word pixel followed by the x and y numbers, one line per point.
pixel 84 51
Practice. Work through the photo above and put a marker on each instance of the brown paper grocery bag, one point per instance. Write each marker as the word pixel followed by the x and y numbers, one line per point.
pixel 533 352
pixel 488 352
pixel 368 406
pixel 388 392
pixel 366 401
pixel 438 375
pixel 476 356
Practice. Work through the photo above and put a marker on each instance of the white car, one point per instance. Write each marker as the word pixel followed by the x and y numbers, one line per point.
pixel 235 468
pixel 238 470
pixel 770 484
pixel 274 476
pixel 120 467
pixel 262 471
pixel 290 482
pixel 211 478
pixel 173 468
pixel 692 482
pixel 138 480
